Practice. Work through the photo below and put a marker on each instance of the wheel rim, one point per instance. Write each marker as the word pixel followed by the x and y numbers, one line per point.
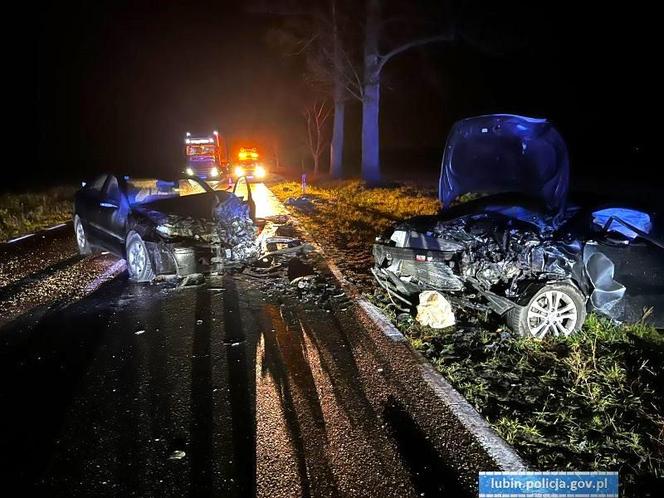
pixel 136 258
pixel 552 313
pixel 80 235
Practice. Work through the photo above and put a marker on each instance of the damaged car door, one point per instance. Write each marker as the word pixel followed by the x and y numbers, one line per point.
pixel 628 238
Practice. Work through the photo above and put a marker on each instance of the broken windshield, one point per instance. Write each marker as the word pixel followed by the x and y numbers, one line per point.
pixel 141 191
pixel 505 153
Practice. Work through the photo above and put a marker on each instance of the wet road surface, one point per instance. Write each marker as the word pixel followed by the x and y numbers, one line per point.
pixel 237 387
pixel 219 389
pixel 46 270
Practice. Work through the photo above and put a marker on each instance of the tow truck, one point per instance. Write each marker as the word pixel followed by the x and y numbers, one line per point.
pixel 206 156
pixel 248 164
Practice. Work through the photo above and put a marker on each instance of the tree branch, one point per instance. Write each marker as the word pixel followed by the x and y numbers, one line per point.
pixel 411 44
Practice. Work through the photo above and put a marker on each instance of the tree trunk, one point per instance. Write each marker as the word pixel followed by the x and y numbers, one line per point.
pixel 337 144
pixel 316 162
pixel 371 96
pixel 371 133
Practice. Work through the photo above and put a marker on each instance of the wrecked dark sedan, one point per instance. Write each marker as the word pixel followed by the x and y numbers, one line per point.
pixel 165 227
pixel 526 251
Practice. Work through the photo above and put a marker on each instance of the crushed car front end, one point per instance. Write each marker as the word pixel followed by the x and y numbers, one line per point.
pixel 196 234
pixel 487 259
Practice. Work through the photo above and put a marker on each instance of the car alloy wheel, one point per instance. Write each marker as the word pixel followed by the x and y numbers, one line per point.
pixel 81 237
pixel 552 313
pixel 138 260
pixel 555 309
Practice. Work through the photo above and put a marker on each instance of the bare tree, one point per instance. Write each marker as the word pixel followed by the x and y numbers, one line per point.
pixel 374 61
pixel 316 115
pixel 316 30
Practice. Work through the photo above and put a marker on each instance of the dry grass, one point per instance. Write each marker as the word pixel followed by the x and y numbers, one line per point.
pixel 26 212
pixel 348 216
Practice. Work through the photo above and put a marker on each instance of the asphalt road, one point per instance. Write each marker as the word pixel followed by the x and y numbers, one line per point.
pixel 220 389
pixel 240 386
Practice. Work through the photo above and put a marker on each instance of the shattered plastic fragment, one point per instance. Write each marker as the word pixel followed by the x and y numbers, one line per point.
pixel 434 310
pixel 177 455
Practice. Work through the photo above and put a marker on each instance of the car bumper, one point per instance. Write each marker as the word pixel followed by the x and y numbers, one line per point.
pixel 183 259
pixel 403 273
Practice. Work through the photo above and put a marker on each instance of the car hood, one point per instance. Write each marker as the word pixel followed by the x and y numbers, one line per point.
pixel 502 153
pixel 199 206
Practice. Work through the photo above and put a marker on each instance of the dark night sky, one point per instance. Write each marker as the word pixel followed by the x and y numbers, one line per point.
pixel 115 84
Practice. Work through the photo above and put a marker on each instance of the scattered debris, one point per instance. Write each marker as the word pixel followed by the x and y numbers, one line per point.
pixel 139 332
pixel 199 322
pixel 434 310
pixel 298 269
pixel 302 203
pixel 177 455
pixel 192 280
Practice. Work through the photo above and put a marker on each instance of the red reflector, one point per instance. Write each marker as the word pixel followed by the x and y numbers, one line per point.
pixel 420 257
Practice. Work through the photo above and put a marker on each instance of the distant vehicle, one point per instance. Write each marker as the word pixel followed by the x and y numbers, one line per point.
pixel 527 252
pixel 206 156
pixel 164 227
pixel 248 164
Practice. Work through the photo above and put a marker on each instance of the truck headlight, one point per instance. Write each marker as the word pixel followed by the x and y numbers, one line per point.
pixel 260 172
pixel 239 171
pixel 214 171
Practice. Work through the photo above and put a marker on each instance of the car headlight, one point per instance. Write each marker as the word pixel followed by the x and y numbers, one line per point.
pixel 189 171
pixel 239 171
pixel 260 172
pixel 214 171
pixel 164 230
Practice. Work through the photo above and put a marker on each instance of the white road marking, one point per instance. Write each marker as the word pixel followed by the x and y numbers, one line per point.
pixel 20 238
pixel 57 226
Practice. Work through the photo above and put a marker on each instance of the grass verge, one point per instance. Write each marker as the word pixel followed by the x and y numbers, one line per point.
pixel 592 402
pixel 347 217
pixel 22 213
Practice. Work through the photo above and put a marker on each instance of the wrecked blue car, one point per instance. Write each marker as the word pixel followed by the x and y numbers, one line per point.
pixel 175 227
pixel 528 250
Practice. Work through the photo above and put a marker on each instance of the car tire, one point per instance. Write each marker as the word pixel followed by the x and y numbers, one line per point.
pixel 553 310
pixel 139 265
pixel 84 247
